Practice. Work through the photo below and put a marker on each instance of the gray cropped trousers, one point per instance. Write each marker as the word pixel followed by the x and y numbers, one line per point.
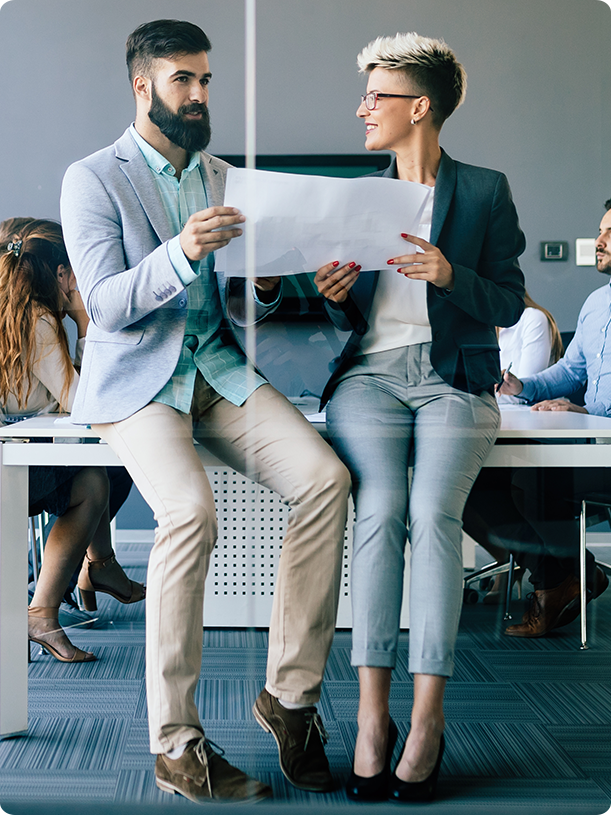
pixel 391 410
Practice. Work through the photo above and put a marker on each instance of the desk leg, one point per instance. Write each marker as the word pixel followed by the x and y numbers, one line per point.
pixel 13 600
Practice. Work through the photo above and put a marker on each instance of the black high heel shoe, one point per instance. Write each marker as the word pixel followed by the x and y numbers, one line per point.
pixel 415 791
pixel 375 787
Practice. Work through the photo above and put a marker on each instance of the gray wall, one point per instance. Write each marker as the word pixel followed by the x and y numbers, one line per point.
pixel 535 107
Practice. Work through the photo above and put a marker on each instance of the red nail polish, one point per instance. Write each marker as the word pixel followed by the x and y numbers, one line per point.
pixel 351 265
pixel 404 235
pixel 389 262
pixel 336 262
pixel 358 268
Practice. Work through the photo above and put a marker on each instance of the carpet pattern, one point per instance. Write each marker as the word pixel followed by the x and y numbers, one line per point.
pixel 528 721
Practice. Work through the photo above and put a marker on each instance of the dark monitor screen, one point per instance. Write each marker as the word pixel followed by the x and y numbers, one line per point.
pixel 338 165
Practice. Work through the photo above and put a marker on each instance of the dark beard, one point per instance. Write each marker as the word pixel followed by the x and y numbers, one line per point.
pixel 192 135
pixel 606 269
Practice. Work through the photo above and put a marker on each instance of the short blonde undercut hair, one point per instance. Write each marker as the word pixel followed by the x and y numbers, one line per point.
pixel 429 65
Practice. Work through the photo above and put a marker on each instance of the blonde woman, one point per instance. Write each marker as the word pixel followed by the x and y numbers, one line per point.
pixel 37 376
pixel 416 381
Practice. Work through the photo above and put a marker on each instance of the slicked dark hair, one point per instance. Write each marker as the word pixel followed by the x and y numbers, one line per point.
pixel 162 39
pixel 608 204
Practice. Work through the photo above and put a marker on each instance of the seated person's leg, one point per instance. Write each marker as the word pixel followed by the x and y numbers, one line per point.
pixel 81 504
pixel 491 518
pixel 549 499
pixel 120 486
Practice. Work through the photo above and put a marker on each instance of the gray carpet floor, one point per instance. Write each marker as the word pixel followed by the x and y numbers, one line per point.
pixel 528 721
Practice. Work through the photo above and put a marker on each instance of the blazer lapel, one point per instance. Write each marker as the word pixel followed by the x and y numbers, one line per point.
pixel 214 181
pixel 445 185
pixel 137 171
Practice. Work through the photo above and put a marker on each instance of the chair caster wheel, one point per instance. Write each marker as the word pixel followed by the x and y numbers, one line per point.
pixel 470 597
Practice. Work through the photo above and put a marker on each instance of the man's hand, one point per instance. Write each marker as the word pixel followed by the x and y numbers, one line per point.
pixel 430 265
pixel 198 239
pixel 559 404
pixel 334 283
pixel 510 385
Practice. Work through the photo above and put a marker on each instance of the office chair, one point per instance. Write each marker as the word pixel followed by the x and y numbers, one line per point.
pixel 37 538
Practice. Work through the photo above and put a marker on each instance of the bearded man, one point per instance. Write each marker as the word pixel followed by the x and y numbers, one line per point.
pixel 142 220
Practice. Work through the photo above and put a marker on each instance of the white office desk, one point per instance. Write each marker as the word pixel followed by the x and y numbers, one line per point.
pixel 516 447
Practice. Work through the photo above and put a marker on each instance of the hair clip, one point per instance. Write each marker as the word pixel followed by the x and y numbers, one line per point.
pixel 15 247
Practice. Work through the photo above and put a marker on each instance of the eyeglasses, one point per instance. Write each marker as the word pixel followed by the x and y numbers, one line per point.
pixel 371 99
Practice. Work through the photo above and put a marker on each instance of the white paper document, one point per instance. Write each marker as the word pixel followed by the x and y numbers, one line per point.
pixel 302 222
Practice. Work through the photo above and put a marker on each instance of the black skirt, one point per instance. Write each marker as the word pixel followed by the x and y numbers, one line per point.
pixel 50 489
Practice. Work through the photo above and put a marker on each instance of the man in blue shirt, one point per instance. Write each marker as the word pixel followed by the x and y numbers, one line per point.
pixel 142 219
pixel 548 499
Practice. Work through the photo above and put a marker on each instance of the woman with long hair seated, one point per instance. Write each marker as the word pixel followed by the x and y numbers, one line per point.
pixel 37 376
pixel 531 345
pixel 416 382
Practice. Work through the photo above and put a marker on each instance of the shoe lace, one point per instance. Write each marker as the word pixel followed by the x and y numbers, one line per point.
pixel 313 720
pixel 203 747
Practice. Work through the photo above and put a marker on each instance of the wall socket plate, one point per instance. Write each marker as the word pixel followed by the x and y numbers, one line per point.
pixel 585 252
pixel 554 250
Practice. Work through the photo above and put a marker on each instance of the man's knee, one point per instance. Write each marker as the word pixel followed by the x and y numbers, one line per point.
pixel 194 522
pixel 329 477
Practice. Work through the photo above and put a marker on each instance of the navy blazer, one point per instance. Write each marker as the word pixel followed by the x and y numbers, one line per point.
pixel 475 225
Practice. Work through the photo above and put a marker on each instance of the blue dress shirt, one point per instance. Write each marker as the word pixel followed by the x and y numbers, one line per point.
pixel 587 359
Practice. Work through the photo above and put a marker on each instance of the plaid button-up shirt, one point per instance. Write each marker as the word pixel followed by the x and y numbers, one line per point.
pixel 205 346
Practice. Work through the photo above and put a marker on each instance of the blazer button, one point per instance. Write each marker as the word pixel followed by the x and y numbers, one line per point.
pixel 437 336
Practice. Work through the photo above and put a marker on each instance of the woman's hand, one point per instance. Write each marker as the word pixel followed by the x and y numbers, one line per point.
pixel 73 302
pixel 334 283
pixel 430 265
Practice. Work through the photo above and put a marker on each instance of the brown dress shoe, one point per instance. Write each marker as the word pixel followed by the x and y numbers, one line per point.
pixel 203 776
pixel 572 611
pixel 300 736
pixel 547 607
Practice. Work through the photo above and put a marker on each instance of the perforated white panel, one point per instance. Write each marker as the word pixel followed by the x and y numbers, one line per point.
pixel 240 583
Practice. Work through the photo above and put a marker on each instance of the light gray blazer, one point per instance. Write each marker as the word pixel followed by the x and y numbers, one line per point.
pixel 116 232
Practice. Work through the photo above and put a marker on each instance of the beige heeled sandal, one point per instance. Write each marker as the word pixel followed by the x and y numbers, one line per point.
pixel 45 630
pixel 103 576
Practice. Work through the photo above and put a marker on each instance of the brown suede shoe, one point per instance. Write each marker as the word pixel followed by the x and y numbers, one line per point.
pixel 546 608
pixel 300 736
pixel 203 776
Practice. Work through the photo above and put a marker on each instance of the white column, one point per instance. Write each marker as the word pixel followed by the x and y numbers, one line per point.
pixel 13 599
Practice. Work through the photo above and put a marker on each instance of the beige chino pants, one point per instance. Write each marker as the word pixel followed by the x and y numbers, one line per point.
pixel 268 440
